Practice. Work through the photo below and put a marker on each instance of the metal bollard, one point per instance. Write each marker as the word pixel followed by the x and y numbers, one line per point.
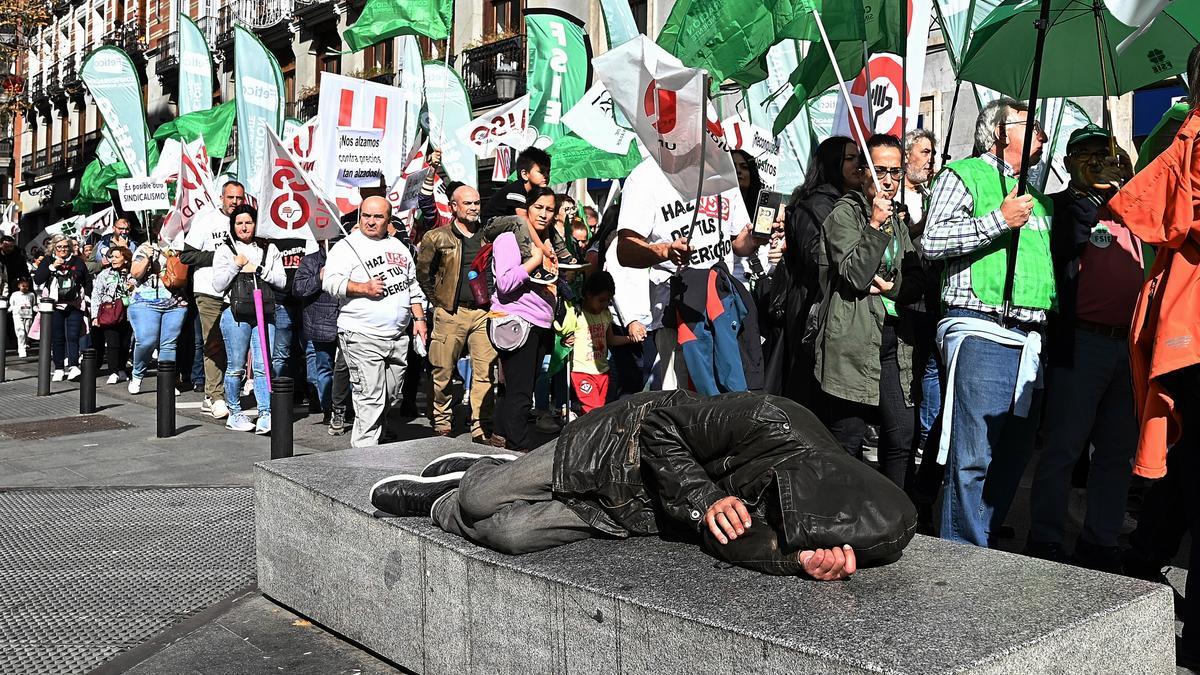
pixel 87 383
pixel 166 399
pixel 46 309
pixel 3 336
pixel 282 389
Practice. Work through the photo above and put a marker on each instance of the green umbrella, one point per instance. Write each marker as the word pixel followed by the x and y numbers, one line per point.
pixel 1078 49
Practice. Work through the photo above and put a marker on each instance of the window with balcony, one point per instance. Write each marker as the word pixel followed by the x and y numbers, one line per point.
pixel 503 18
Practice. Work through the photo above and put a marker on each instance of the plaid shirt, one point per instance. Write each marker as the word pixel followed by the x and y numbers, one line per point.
pixel 952 234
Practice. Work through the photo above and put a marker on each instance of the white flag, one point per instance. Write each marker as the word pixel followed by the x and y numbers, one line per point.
pixel 290 205
pixel 302 143
pixel 99 223
pixel 592 118
pixel 669 110
pixel 483 134
pixel 1135 13
pixel 194 192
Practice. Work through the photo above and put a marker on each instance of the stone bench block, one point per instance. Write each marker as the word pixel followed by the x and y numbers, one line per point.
pixel 434 603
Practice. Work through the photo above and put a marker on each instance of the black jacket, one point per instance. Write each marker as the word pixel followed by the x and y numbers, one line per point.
pixel 1074 217
pixel 320 309
pixel 659 458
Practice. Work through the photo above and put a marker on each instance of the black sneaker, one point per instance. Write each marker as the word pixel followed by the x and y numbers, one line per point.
pixel 457 462
pixel 1098 558
pixel 543 276
pixel 409 495
pixel 1046 551
pixel 337 423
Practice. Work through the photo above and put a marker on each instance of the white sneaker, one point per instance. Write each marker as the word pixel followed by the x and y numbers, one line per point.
pixel 73 373
pixel 206 405
pixel 239 422
pixel 22 352
pixel 114 378
pixel 135 385
pixel 57 376
pixel 177 392
pixel 220 410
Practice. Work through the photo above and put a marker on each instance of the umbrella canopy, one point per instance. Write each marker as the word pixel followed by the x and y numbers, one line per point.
pixel 1000 53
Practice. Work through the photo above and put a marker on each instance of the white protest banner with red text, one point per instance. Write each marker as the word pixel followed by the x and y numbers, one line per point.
pixel 302 144
pixel 194 192
pixel 290 206
pixel 350 102
pixel 484 133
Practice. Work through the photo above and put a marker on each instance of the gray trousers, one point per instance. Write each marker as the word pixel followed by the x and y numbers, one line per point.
pixel 509 506
pixel 377 378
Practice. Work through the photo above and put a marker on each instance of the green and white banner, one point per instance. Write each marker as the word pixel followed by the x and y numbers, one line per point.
pixel 258 90
pixel 412 83
pixel 112 80
pixel 618 22
pixel 449 109
pixel 959 19
pixel 559 68
pixel 795 140
pixel 195 68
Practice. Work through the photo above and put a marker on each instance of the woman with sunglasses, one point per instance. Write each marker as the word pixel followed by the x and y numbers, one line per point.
pixel 64 280
pixel 863 351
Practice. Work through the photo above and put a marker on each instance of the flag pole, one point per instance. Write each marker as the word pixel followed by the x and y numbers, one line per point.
pixel 703 143
pixel 1042 25
pixel 903 99
pixel 837 71
pixel 867 73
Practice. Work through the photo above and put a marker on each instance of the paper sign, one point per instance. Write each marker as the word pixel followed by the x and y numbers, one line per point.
pixel 359 157
pixel 140 194
pixel 405 193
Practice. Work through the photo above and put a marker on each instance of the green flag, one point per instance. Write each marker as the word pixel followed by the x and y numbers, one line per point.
pixel 383 19
pixel 195 69
pixel 559 67
pixel 258 97
pixel 724 37
pixel 110 77
pixel 575 158
pixel 448 111
pixel 213 125
pixel 843 19
pixel 100 176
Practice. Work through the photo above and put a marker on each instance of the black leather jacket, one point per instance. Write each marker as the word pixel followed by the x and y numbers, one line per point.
pixel 627 466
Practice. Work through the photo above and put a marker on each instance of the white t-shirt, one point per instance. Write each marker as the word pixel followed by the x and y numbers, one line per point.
pixel 653 209
pixel 357 258
pixel 208 229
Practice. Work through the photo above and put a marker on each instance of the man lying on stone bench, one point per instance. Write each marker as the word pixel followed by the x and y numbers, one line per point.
pixel 757 479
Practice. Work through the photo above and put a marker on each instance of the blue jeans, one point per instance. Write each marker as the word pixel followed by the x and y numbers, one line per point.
pixel 320 357
pixel 239 338
pixel 989 446
pixel 1092 401
pixel 281 345
pixel 154 327
pixel 66 329
pixel 931 398
pixel 197 351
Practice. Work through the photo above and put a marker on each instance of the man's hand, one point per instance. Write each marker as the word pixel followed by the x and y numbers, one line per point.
pixel 569 340
pixel 637 332
pixel 421 331
pixel 727 519
pixel 678 251
pixel 1016 210
pixel 881 210
pixel 435 160
pixel 829 564
pixel 372 288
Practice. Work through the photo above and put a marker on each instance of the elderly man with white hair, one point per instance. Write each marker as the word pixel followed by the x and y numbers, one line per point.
pixel 990 413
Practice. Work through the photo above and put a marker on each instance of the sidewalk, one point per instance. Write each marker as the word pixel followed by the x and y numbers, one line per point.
pixel 135 553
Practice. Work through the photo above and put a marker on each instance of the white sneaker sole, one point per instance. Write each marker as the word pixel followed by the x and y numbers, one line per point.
pixel 469 455
pixel 416 479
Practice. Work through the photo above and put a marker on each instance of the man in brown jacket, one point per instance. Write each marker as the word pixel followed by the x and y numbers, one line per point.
pixel 443 262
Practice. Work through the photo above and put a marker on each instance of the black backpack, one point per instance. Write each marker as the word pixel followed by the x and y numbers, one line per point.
pixel 241 294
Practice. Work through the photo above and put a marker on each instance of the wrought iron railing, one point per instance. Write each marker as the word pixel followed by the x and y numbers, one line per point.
pixel 481 66
pixel 53 84
pixel 71 83
pixel 168 53
pixel 35 91
pixel 256 14
pixel 56 162
pixel 308 107
pixel 127 35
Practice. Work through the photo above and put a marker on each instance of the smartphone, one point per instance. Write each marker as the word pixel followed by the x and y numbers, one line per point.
pixel 766 213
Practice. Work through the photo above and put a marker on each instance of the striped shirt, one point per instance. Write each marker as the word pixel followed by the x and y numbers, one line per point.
pixel 952 233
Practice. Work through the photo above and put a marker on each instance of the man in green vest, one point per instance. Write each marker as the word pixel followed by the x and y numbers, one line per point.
pixel 991 347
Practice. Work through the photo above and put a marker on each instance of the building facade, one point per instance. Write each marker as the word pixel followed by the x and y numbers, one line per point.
pixel 56 137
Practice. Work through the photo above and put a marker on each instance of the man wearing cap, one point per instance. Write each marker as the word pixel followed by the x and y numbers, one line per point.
pixel 1099 267
pixel 990 347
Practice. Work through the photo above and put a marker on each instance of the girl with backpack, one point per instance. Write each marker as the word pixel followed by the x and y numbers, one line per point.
pixel 240 266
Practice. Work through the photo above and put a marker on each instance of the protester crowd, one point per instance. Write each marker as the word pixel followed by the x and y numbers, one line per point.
pixel 884 299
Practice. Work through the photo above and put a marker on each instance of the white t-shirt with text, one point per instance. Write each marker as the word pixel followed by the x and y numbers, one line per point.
pixel 358 258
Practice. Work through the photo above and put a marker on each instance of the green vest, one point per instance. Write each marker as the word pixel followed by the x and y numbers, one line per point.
pixel 1033 284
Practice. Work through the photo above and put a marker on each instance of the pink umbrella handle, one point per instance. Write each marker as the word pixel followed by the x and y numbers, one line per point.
pixel 262 336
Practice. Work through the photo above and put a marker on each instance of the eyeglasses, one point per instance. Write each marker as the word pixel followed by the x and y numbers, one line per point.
pixel 883 171
pixel 1037 126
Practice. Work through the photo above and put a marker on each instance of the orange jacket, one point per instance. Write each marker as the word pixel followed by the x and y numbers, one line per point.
pixel 1159 205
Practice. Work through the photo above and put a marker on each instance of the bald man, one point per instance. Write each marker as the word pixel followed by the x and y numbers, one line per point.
pixel 374 278
pixel 445 258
